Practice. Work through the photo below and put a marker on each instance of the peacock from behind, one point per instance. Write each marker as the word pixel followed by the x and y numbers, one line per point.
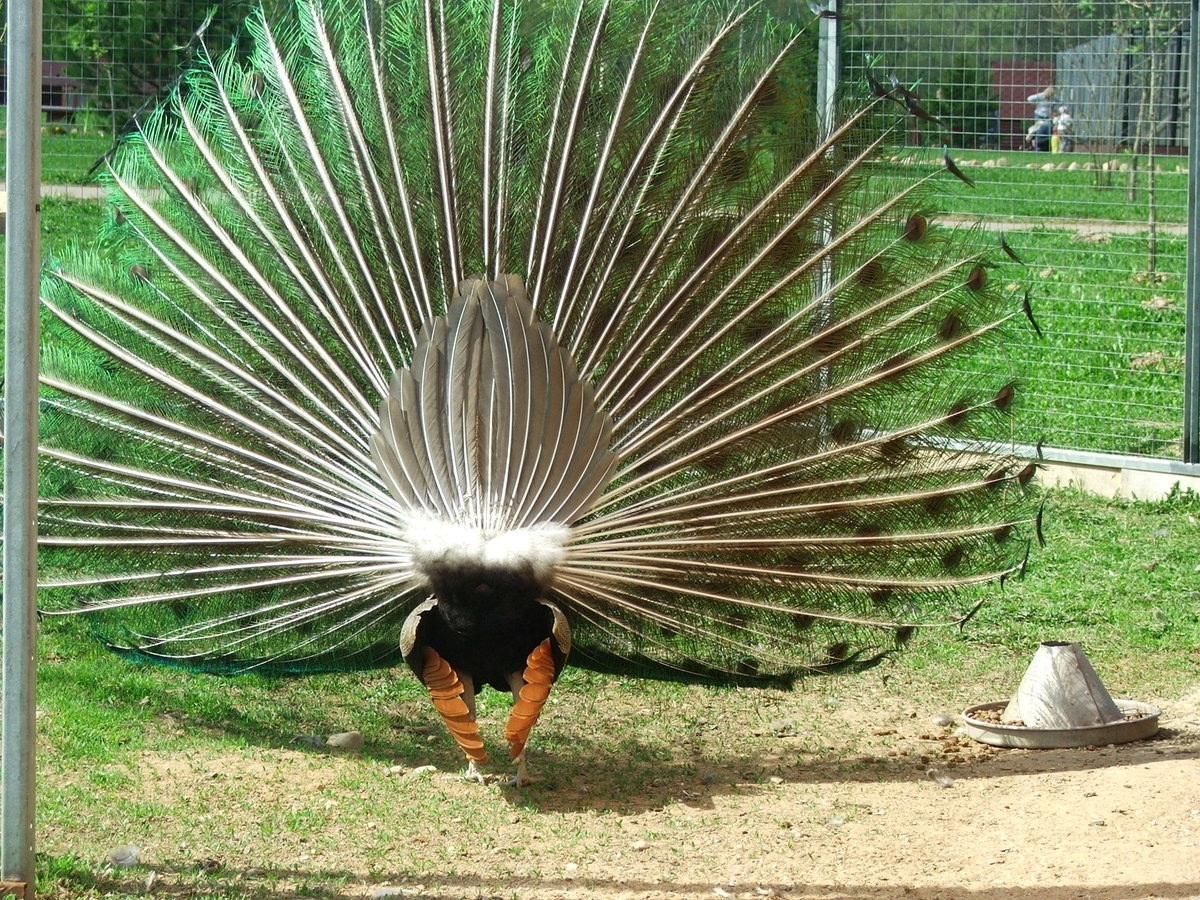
pixel 475 334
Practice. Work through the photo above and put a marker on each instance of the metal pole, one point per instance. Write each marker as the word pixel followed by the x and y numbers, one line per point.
pixel 20 441
pixel 828 62
pixel 1191 334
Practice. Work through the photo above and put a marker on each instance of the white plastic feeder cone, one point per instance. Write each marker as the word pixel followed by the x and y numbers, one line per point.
pixel 1061 690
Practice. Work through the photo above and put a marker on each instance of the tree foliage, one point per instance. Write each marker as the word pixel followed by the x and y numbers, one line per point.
pixel 120 55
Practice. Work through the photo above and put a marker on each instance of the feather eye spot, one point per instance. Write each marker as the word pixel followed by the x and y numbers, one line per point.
pixel 845 431
pixel 996 476
pixel 870 273
pixel 1026 474
pixel 953 558
pixel 977 279
pixel 768 93
pixel 935 504
pixel 709 240
pixel 951 326
pixel 1003 533
pixel 904 634
pixel 882 596
pixel 895 366
pixel 915 228
pixel 829 341
pixel 748 666
pixel 957 413
pixel 789 248
pixel 734 165
pixel 138 273
pixel 895 450
pixel 837 653
pixel 803 622
pixel 180 609
pixel 1004 397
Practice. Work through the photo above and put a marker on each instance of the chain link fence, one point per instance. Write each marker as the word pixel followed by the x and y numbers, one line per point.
pixel 1072 120
pixel 1070 117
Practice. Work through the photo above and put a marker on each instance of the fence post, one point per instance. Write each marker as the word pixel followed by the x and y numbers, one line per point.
pixel 1191 333
pixel 23 253
pixel 828 62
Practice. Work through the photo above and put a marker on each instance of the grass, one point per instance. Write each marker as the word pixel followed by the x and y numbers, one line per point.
pixel 1114 334
pixel 1107 371
pixel 68 153
pixel 217 780
pixel 1017 185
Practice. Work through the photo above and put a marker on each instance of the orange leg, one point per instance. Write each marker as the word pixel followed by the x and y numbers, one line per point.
pixel 530 690
pixel 447 690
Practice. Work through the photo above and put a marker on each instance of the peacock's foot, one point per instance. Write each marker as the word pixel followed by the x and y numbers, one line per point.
pixel 520 778
pixel 474 774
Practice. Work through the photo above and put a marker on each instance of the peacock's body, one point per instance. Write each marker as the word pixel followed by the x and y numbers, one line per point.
pixel 468 332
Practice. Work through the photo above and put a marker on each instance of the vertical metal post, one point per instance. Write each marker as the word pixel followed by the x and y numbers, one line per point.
pixel 828 62
pixel 1191 334
pixel 23 255
pixel 828 66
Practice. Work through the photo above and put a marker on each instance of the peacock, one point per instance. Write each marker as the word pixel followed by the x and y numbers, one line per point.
pixel 481 335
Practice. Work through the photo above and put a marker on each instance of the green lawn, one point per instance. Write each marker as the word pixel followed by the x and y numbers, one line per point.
pixel 1107 374
pixel 68 157
pixel 1017 185
pixel 218 779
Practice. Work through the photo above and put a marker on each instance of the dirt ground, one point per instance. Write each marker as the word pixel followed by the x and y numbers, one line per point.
pixel 860 795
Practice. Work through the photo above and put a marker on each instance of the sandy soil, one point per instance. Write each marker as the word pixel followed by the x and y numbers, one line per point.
pixel 862 795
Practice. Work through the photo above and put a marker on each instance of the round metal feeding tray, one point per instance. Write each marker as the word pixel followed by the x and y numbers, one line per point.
pixel 1141 721
pixel 1061 702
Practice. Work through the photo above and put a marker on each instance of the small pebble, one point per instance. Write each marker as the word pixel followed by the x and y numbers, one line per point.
pixel 308 740
pixel 346 740
pixel 124 856
pixel 419 771
pixel 571 867
pixel 940 778
pixel 837 820
pixel 942 720
pixel 639 845
pixel 775 779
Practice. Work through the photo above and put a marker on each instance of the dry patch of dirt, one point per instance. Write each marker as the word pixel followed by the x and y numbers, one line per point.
pixel 860 795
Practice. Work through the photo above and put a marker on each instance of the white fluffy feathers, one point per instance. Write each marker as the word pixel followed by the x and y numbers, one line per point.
pixel 438 546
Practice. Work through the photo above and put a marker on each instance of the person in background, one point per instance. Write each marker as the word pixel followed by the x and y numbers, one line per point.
pixel 1064 130
pixel 1038 136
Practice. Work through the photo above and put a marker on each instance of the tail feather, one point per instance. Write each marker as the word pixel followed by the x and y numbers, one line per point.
pixel 582 289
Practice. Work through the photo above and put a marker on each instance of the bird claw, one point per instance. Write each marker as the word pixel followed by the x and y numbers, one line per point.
pixel 473 773
pixel 520 778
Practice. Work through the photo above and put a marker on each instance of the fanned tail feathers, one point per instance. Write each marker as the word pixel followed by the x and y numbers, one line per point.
pixel 422 276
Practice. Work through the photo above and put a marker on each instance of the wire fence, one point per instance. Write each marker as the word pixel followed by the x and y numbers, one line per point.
pixel 1070 117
